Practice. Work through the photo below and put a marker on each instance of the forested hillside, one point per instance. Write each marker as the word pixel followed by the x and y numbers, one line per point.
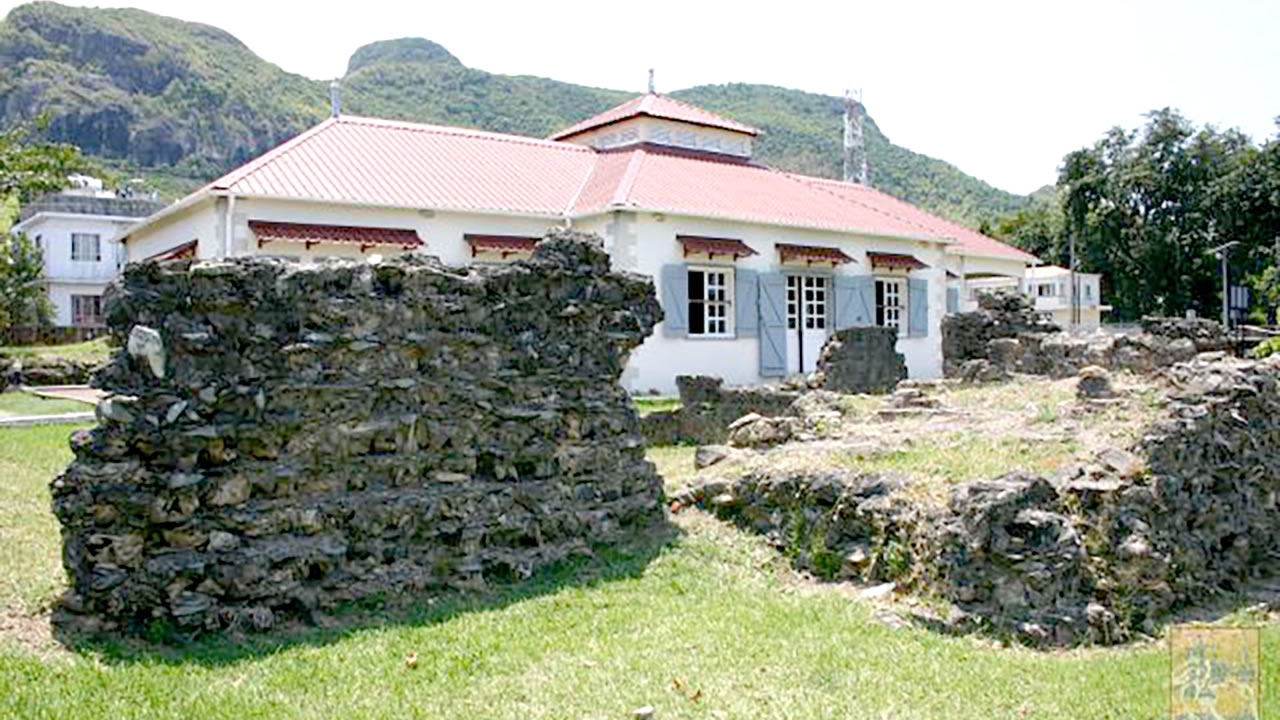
pixel 181 102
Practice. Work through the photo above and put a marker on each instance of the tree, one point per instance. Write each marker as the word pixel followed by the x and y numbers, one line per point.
pixel 23 298
pixel 30 167
pixel 1144 207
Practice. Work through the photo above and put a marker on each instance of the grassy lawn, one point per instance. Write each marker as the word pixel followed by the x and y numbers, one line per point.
pixel 18 404
pixel 95 350
pixel 709 623
pixel 650 405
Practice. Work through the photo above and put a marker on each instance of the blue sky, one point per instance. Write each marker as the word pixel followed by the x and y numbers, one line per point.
pixel 1001 89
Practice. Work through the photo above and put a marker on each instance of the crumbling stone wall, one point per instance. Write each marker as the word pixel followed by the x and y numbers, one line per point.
pixel 861 360
pixel 20 370
pixel 1096 553
pixel 1004 336
pixel 707 408
pixel 282 439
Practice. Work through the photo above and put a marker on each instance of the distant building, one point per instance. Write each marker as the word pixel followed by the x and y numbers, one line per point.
pixel 78 231
pixel 1049 286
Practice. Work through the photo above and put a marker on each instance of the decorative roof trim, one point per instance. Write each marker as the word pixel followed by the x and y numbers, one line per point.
pixel 308 234
pixel 812 254
pixel 712 246
pixel 185 250
pixel 895 260
pixel 505 244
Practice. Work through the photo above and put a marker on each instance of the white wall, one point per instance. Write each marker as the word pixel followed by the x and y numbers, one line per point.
pixel 65 277
pixel 198 223
pixel 643 243
pixel 666 132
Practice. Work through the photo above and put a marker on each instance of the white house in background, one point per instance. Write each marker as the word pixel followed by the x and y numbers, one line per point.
pixel 78 232
pixel 754 267
pixel 1049 288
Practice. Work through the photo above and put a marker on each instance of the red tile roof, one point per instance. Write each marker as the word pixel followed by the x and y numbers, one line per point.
pixel 267 232
pixel 659 106
pixel 387 163
pixel 384 163
pixel 969 242
pixel 684 183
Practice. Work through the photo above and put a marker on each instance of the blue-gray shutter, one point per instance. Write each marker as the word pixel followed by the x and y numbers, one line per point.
pixel 746 316
pixel 844 295
pixel 917 307
pixel 953 300
pixel 675 300
pixel 855 300
pixel 773 325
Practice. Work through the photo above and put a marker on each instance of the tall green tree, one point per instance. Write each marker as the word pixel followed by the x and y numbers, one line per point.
pixel 1144 207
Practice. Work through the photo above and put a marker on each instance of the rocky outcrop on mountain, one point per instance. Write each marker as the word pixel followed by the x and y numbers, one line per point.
pixel 282 439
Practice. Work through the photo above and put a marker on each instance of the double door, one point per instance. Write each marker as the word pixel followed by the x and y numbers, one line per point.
pixel 808 308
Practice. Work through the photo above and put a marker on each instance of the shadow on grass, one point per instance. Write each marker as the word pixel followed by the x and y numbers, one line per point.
pixel 625 560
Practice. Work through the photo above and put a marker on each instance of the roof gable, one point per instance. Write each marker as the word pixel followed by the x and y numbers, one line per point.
pixel 658 106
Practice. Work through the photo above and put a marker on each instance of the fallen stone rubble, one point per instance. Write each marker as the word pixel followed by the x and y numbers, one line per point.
pixel 1097 553
pixel 283 439
pixel 1005 335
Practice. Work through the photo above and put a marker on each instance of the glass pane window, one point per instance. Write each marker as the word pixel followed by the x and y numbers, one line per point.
pixel 85 247
pixel 710 290
pixel 793 301
pixel 890 303
pixel 815 303
pixel 86 310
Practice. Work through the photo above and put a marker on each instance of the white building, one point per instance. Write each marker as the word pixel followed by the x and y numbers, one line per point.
pixel 754 267
pixel 1049 288
pixel 78 233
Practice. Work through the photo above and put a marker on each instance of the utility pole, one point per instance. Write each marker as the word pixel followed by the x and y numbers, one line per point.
pixel 1223 251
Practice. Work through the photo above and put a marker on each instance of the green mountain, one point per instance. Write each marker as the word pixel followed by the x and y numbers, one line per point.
pixel 182 102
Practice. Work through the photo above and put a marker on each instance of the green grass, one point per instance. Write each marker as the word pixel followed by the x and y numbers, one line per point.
pixel 964 456
pixel 30 566
pixel 18 404
pixel 650 405
pixel 95 350
pixel 713 614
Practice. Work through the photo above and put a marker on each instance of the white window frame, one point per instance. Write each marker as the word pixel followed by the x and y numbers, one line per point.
pixel 79 253
pixel 714 297
pixel 797 300
pixel 79 318
pixel 901 312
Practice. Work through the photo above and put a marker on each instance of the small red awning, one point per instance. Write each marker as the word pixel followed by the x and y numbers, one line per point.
pixel 711 246
pixel 813 254
pixel 894 260
pixel 505 244
pixel 365 237
pixel 185 250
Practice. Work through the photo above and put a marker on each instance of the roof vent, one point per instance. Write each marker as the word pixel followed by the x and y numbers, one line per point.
pixel 335 98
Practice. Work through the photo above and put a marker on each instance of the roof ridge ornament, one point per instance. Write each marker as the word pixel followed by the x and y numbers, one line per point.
pixel 651 86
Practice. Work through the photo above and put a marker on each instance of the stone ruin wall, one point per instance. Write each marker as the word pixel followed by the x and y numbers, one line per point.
pixel 1095 553
pixel 853 360
pixel 283 439
pixel 1006 335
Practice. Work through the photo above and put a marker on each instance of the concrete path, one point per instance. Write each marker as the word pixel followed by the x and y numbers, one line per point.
pixel 83 393
pixel 80 393
pixel 29 420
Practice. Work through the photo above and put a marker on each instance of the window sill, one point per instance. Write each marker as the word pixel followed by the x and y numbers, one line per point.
pixel 701 338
